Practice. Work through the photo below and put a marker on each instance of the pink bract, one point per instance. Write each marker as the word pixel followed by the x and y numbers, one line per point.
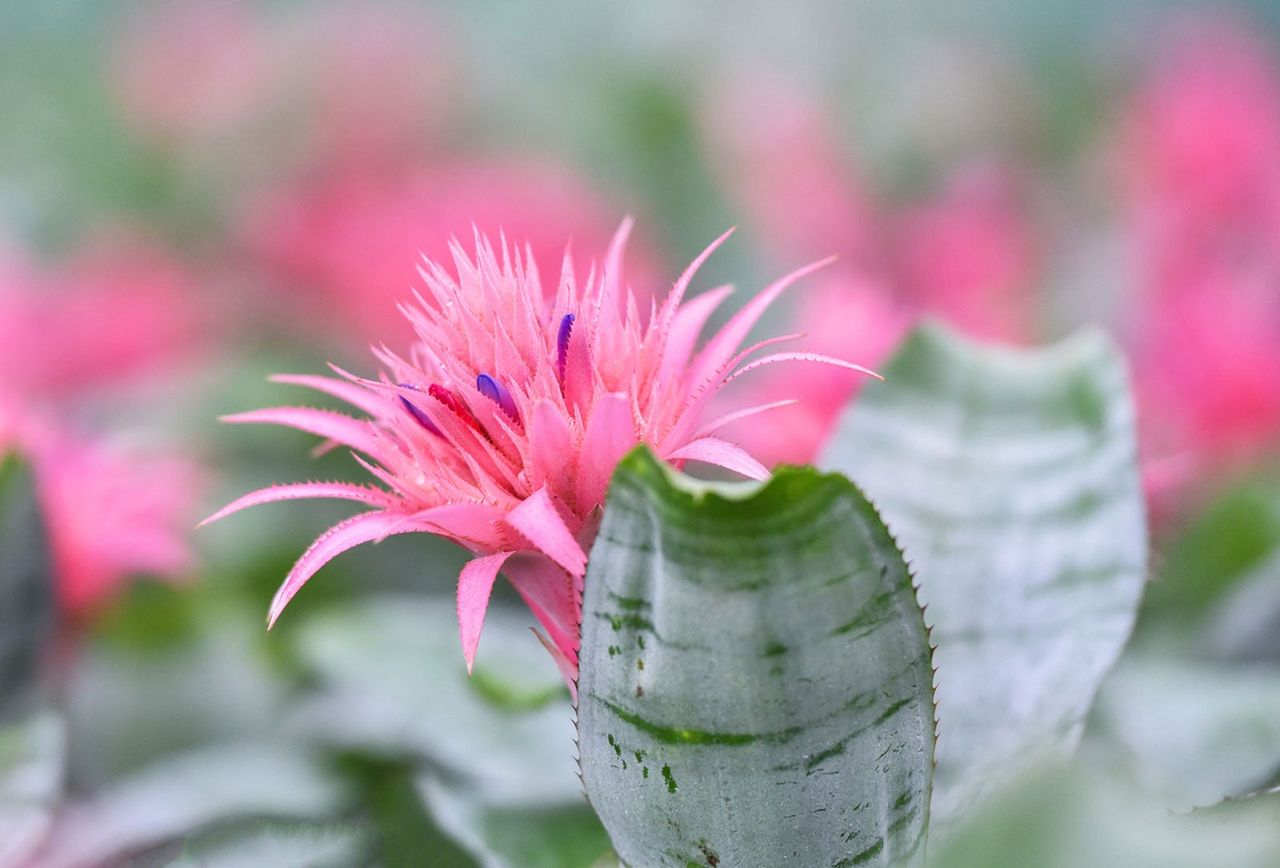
pixel 108 315
pixel 502 426
pixel 68 336
pixel 970 254
pixel 343 247
pixel 841 311
pixel 112 512
pixel 1202 134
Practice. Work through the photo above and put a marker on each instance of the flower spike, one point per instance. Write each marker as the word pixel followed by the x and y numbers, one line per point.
pixel 527 402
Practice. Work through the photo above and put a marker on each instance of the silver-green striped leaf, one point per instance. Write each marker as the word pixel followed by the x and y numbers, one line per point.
pixel 1010 478
pixel 26 589
pixel 756 682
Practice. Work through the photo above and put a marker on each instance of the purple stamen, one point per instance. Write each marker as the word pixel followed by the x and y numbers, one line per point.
pixel 498 394
pixel 562 343
pixel 423 419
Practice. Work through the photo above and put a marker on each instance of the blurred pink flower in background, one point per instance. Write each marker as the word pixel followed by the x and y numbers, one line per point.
pixel 790 176
pixel 187 72
pixel 971 254
pixel 71 335
pixel 501 428
pixel 113 512
pixel 845 315
pixel 1199 159
pixel 338 81
pixel 1202 132
pixel 1207 370
pixel 345 247
pixel 371 82
pixel 114 311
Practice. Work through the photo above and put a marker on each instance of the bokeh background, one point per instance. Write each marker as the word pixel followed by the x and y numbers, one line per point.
pixel 195 195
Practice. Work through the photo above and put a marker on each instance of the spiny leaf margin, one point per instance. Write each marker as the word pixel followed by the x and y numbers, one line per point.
pixel 714 728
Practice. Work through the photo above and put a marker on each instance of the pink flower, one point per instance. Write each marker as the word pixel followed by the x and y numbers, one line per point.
pixel 67 336
pixel 789 174
pixel 112 513
pixel 110 314
pixel 1198 154
pixel 375 80
pixel 344 247
pixel 1208 370
pixel 502 427
pixel 1202 135
pixel 185 72
pixel 842 311
pixel 970 255
pixel 337 81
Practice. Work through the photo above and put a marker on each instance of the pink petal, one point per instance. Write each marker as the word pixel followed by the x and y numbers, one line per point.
pixel 608 436
pixel 738 415
pixel 475 583
pixel 613 262
pixel 800 357
pixel 550 442
pixel 344 535
pixel 300 490
pixel 685 329
pixel 355 395
pixel 712 450
pixel 355 433
pixel 539 520
pixel 550 593
pixel 682 430
pixel 568 668
pixel 676 296
pixel 471 525
pixel 722 347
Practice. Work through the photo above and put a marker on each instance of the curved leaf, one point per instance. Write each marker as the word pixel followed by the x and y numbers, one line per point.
pixel 26 588
pixel 756 684
pixel 276 845
pixel 32 764
pixel 1194 732
pixel 565 835
pixel 183 794
pixel 394 682
pixel 1084 817
pixel 1011 480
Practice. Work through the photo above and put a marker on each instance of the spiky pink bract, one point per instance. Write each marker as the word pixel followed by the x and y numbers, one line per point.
pixel 502 427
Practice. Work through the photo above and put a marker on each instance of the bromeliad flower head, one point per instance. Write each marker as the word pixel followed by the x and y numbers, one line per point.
pixel 502 427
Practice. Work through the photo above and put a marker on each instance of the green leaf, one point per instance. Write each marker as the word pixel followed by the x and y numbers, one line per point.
pixel 32 757
pixel 1234 535
pixel 393 682
pixel 27 611
pixel 263 845
pixel 404 828
pixel 1245 624
pixel 129 705
pixel 1010 478
pixel 1194 732
pixel 566 835
pixel 184 794
pixel 1087 817
pixel 756 684
pixel 498 745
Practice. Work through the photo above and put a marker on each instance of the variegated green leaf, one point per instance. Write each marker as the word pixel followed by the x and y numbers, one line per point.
pixel 755 675
pixel 32 766
pixel 1010 478
pixel 26 588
